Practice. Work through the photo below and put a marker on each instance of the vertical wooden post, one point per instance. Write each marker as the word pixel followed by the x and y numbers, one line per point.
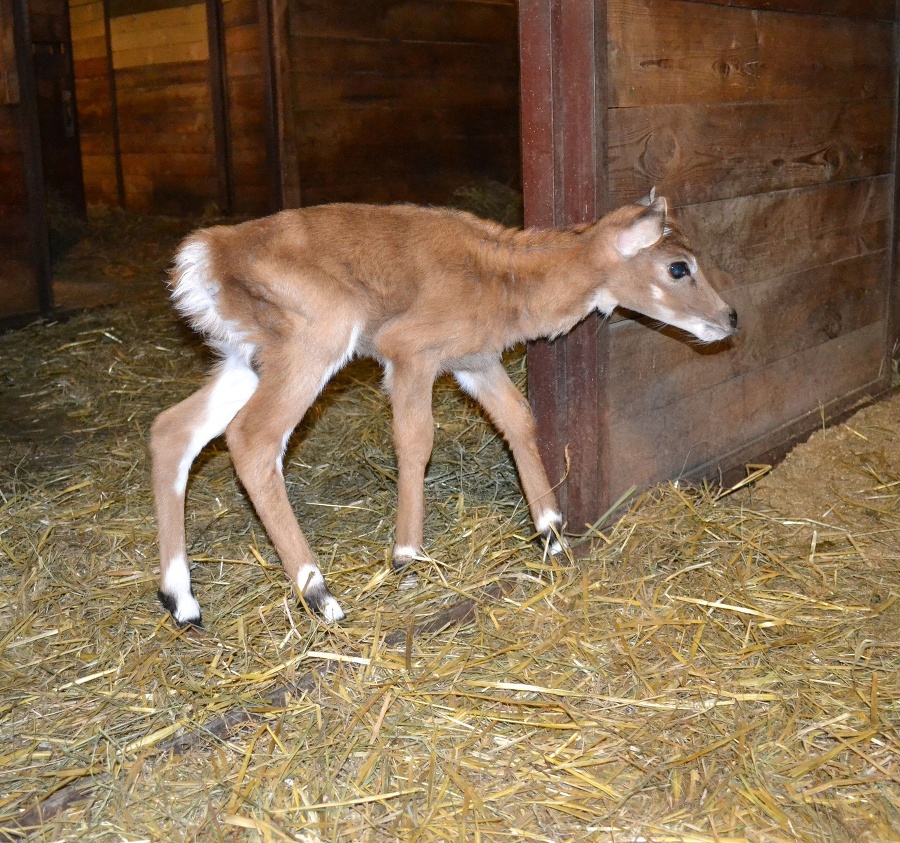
pixel 564 90
pixel 114 109
pixel 892 346
pixel 268 43
pixel 31 153
pixel 218 83
pixel 9 73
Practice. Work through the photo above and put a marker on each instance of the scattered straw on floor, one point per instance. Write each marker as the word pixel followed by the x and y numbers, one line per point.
pixel 710 671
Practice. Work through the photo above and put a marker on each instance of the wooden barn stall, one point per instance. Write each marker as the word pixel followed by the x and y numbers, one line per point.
pixel 771 125
pixel 255 106
pixel 172 103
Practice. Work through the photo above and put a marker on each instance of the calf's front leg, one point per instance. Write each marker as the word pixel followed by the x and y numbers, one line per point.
pixel 410 388
pixel 490 385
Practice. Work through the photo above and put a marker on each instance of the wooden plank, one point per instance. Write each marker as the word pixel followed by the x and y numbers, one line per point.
pixel 36 287
pixel 243 38
pixel 892 344
pixel 706 152
pixel 9 73
pixel 114 110
pixel 218 85
pixel 89 53
pixel 245 64
pixel 240 13
pixel 412 20
pixel 175 144
pixel 870 9
pixel 12 177
pixel 424 61
pixel 86 17
pixel 186 74
pixel 101 181
pixel 358 166
pixel 652 370
pixel 155 29
pixel 314 91
pixel 743 55
pixel 748 407
pixel 124 8
pixel 160 37
pixel 279 59
pixel 754 238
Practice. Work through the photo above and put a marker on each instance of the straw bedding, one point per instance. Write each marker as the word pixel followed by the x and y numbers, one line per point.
pixel 717 667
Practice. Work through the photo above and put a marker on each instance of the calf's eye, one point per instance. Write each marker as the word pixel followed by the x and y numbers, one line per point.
pixel 679 269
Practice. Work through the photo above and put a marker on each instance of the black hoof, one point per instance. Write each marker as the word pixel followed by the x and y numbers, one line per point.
pixel 401 563
pixel 320 600
pixel 171 606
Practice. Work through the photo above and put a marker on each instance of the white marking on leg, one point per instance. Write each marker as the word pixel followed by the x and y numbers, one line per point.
pixel 555 547
pixel 547 519
pixel 468 383
pixel 403 551
pixel 235 383
pixel 388 379
pixel 342 361
pixel 331 610
pixel 177 585
pixel 279 462
pixel 549 524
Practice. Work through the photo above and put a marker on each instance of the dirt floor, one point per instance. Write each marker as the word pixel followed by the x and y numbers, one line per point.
pixel 720 666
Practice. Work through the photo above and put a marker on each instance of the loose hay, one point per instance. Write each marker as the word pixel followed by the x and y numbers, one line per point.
pixel 712 670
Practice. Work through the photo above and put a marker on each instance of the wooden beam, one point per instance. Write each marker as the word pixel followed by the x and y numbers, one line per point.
pixel 563 48
pixel 9 74
pixel 893 336
pixel 31 150
pixel 271 105
pixel 218 85
pixel 114 108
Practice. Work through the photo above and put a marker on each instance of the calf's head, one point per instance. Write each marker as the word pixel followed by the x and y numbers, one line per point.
pixel 652 270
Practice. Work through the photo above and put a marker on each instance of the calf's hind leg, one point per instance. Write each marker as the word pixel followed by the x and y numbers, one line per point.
pixel 256 438
pixel 177 436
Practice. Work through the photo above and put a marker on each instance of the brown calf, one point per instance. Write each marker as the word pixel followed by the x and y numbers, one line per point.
pixel 287 300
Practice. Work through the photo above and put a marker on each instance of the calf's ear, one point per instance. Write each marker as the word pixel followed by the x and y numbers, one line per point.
pixel 644 230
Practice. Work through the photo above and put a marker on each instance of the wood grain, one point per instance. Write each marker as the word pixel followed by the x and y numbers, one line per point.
pixel 869 9
pixel 701 427
pixel 753 238
pixel 396 100
pixel 703 153
pixel 9 74
pixel 657 58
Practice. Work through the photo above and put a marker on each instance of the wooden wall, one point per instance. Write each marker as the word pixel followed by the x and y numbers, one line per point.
pixel 250 133
pixel 146 116
pixel 95 96
pixel 24 254
pixel 774 133
pixel 396 99
pixel 146 102
pixel 771 127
